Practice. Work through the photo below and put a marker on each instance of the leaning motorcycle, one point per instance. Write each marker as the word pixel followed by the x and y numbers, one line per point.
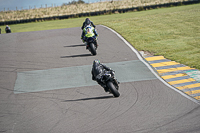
pixel 8 30
pixel 110 83
pixel 91 45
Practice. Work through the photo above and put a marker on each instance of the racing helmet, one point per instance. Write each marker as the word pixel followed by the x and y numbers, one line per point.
pixel 87 21
pixel 96 61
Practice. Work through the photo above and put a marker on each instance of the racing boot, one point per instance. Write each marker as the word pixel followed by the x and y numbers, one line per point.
pixel 87 46
pixel 106 89
pixel 96 45
pixel 102 85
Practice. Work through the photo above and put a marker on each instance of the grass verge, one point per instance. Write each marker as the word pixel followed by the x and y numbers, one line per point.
pixel 172 32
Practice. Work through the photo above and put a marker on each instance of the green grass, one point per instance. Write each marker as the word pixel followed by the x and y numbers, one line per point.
pixel 172 32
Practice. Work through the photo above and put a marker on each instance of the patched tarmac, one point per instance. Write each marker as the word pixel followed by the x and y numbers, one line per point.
pixel 77 76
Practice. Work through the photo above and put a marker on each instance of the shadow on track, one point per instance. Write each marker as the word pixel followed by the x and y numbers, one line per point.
pixel 92 98
pixel 71 56
pixel 75 45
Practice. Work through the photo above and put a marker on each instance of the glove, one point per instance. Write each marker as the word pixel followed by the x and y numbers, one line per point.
pixel 82 40
pixel 113 72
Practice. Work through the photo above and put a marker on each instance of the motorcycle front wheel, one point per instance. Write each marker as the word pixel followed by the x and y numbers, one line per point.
pixel 113 90
pixel 92 49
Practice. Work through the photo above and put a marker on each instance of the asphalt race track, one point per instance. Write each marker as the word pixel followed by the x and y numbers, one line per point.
pixel 46 87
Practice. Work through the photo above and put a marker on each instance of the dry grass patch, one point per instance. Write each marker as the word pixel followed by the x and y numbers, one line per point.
pixel 77 8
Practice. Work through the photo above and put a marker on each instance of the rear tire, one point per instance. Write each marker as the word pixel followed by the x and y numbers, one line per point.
pixel 113 90
pixel 93 49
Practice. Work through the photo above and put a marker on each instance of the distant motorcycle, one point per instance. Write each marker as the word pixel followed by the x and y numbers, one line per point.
pixel 91 45
pixel 8 30
pixel 110 83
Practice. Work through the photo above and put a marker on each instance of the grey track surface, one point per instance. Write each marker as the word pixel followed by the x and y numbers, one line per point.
pixel 146 106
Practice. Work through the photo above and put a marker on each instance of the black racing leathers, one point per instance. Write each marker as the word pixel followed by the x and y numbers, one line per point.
pixel 8 30
pixel 84 25
pixel 98 70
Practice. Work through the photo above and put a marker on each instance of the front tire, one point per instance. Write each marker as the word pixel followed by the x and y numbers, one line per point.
pixel 113 90
pixel 93 49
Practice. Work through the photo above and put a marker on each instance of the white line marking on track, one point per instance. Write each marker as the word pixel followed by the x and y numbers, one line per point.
pixel 142 60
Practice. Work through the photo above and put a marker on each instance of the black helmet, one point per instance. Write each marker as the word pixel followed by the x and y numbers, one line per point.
pixel 96 62
pixel 87 21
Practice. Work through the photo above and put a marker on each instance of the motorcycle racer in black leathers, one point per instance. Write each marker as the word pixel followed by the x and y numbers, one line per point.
pixel 98 70
pixel 7 29
pixel 87 22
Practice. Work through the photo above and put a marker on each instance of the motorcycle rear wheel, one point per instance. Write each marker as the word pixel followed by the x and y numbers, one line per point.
pixel 113 90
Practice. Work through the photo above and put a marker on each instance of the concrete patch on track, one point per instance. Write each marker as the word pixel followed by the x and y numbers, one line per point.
pixel 179 76
pixel 77 76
